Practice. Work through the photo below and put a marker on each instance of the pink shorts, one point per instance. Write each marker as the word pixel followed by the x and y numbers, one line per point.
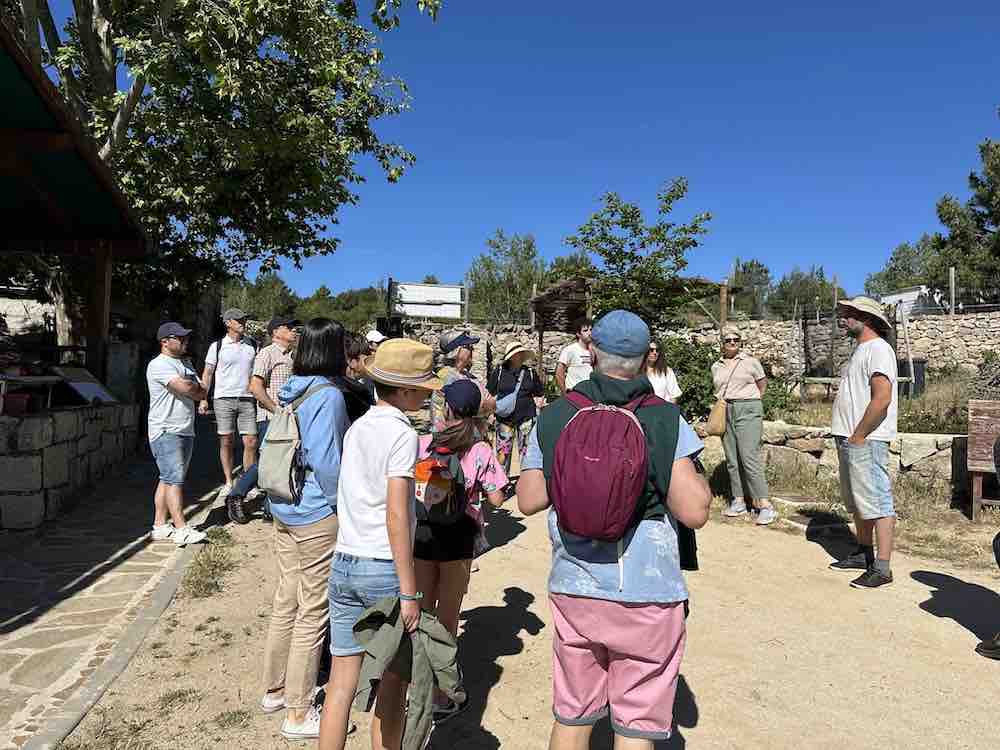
pixel 623 656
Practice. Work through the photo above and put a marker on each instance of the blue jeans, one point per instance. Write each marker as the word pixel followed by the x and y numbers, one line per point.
pixel 356 583
pixel 248 480
pixel 173 456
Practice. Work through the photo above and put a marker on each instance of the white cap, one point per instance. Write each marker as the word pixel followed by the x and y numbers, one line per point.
pixel 374 337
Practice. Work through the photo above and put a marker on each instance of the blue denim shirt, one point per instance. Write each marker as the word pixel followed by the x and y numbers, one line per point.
pixel 648 570
pixel 322 424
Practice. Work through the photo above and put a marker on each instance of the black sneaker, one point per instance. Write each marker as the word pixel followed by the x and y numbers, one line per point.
pixel 855 561
pixel 990 649
pixel 871 579
pixel 234 506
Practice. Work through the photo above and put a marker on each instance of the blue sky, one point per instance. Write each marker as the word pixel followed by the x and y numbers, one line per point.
pixel 813 134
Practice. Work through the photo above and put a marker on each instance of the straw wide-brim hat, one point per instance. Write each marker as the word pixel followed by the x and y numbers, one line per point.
pixel 403 363
pixel 868 306
pixel 516 348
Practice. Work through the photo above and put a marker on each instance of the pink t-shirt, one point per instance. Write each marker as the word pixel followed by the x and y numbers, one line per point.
pixel 481 470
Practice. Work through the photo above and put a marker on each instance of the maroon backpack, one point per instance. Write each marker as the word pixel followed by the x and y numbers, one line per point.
pixel 600 468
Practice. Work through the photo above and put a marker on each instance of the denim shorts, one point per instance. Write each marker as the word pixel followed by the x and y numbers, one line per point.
pixel 356 583
pixel 173 456
pixel 865 486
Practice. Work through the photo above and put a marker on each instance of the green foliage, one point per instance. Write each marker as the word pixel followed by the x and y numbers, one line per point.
pixel 753 279
pixel 640 263
pixel 780 400
pixel 948 419
pixel 570 266
pixel 810 289
pixel 909 265
pixel 266 297
pixel 501 279
pixel 692 364
pixel 355 309
pixel 239 136
pixel 430 279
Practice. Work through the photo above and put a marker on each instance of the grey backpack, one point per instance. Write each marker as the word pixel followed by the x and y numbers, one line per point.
pixel 281 472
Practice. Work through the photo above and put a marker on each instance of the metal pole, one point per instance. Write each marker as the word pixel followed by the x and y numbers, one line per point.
pixel 833 330
pixel 465 294
pixel 951 285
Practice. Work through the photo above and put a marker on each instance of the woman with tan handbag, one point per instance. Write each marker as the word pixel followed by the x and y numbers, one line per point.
pixel 739 385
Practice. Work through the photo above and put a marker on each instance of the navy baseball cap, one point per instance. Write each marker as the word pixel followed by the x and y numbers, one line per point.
pixel 462 339
pixel 463 397
pixel 280 321
pixel 171 328
pixel 621 333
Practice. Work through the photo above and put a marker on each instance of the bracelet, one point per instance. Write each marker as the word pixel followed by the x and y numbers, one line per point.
pixel 411 597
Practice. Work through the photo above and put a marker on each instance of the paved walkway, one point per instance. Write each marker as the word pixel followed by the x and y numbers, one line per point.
pixel 73 589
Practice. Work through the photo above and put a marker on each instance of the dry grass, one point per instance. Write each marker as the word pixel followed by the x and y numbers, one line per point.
pixel 232 719
pixel 207 571
pixel 116 731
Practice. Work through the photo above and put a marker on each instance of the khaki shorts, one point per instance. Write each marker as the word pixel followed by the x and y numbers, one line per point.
pixel 232 414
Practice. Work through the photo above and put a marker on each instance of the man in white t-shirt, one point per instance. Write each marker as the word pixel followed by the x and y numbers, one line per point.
pixel 230 362
pixel 576 361
pixel 864 423
pixel 174 389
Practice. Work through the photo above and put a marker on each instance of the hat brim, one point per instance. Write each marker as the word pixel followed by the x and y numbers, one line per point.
pixel 430 382
pixel 182 332
pixel 846 304
pixel 518 350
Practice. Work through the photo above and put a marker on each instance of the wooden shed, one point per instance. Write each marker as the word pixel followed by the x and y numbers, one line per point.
pixel 57 196
pixel 557 307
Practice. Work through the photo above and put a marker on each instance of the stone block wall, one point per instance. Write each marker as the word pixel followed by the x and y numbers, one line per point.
pixel 936 459
pixel 46 458
pixel 958 341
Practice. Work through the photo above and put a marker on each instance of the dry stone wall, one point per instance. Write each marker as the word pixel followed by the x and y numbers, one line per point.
pixel 959 341
pixel 46 458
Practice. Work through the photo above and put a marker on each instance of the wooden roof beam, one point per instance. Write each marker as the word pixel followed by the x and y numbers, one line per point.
pixel 34 141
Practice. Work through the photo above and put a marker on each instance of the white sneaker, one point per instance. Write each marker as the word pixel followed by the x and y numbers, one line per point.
pixel 225 489
pixel 307 730
pixel 187 535
pixel 272 702
pixel 160 533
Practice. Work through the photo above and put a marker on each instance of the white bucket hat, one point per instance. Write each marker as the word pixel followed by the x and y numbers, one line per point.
pixel 869 307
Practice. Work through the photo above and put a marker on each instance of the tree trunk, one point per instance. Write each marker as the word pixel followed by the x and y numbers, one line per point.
pixel 67 311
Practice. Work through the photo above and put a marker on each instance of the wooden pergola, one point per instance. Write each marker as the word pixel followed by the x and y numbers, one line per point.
pixel 57 196
pixel 556 308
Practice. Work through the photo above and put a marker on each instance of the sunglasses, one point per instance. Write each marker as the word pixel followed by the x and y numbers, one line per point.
pixel 653 350
pixel 730 341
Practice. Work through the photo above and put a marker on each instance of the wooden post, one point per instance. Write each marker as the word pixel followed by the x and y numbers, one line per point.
pixel 534 293
pixel 833 330
pixel 99 312
pixel 465 295
pixel 541 357
pixel 723 304
pixel 951 286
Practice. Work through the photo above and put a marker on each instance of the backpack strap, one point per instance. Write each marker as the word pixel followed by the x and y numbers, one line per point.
pixel 310 391
pixel 646 399
pixel 578 400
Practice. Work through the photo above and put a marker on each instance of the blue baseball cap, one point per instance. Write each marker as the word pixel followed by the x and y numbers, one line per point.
pixel 463 397
pixel 621 333
pixel 171 328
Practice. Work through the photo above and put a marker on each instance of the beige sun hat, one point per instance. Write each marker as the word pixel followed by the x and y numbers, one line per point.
pixel 868 306
pixel 515 348
pixel 403 363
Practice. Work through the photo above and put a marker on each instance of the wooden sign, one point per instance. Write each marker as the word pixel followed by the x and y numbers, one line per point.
pixel 984 433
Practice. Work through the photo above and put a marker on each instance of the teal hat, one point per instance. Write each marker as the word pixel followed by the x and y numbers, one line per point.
pixel 621 333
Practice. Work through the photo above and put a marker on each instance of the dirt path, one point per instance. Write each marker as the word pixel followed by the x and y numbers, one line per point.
pixel 782 654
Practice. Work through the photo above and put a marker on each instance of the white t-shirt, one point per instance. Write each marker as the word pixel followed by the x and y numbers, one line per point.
pixel 233 363
pixel 169 413
pixel 576 358
pixel 379 445
pixel 665 386
pixel 869 358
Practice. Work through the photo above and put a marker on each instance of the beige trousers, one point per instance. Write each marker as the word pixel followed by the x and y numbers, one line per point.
pixel 300 609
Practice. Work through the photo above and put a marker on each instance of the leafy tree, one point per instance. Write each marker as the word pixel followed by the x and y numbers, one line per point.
pixel 319 304
pixel 234 125
pixel 266 297
pixel 753 279
pixel 430 279
pixel 692 364
pixel 806 291
pixel 501 280
pixel 972 241
pixel 909 265
pixel 573 265
pixel 640 263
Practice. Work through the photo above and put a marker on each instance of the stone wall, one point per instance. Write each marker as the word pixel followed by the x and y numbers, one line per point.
pixel 778 344
pixel 958 341
pixel 811 450
pixel 46 458
pixel 22 314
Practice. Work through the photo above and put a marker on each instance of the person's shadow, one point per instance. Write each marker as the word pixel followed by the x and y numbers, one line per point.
pixel 685 715
pixel 489 633
pixel 502 527
pixel 974 607
pixel 830 532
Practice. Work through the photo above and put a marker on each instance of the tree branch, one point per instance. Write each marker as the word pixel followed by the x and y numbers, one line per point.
pixel 123 117
pixel 32 41
pixel 54 44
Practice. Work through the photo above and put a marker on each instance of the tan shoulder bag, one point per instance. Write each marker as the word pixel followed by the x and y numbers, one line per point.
pixel 716 424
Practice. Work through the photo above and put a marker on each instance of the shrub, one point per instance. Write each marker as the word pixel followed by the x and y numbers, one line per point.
pixel 780 400
pixel 692 364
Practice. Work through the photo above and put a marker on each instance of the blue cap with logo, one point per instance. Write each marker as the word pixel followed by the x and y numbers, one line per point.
pixel 621 333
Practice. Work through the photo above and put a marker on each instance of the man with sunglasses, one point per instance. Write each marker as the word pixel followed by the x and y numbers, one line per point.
pixel 174 389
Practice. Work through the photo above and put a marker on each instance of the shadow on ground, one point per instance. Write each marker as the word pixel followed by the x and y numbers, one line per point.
pixel 685 717
pixel 488 633
pixel 974 607
pixel 830 532
pixel 502 527
pixel 106 526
